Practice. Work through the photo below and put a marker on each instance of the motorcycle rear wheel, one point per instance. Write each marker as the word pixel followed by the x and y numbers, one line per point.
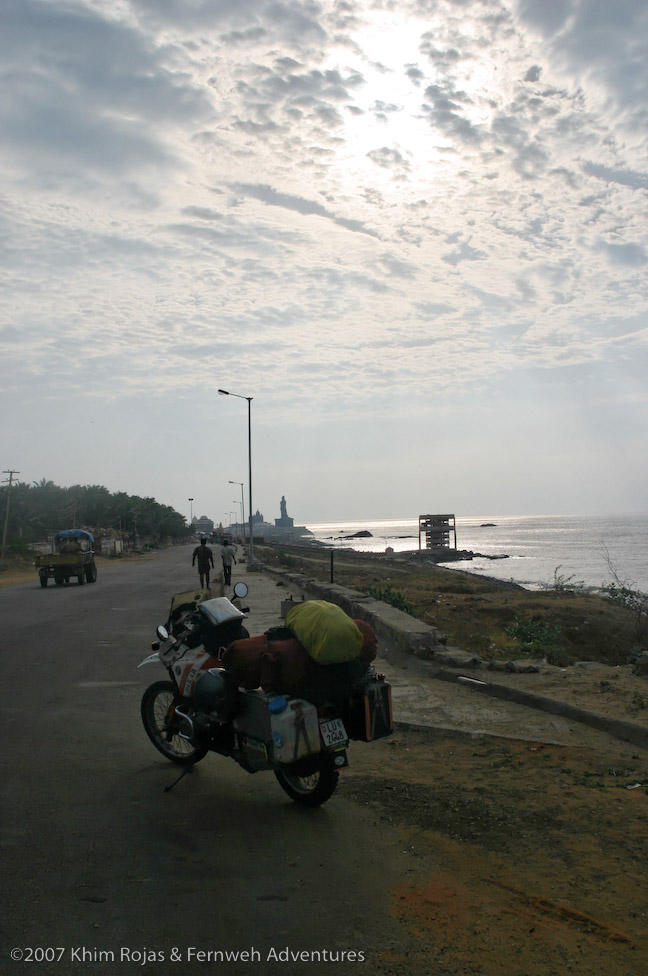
pixel 310 786
pixel 158 716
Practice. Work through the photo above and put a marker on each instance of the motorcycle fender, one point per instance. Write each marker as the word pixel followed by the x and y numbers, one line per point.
pixel 151 659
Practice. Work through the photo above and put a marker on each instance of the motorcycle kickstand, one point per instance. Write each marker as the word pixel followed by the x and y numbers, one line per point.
pixel 185 772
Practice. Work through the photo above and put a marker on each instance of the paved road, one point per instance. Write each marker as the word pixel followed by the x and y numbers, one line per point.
pixel 98 857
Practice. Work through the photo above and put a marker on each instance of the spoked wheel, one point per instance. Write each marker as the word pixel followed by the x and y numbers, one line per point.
pixel 158 716
pixel 311 781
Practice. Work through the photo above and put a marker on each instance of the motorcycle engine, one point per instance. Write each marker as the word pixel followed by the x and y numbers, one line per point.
pixel 216 694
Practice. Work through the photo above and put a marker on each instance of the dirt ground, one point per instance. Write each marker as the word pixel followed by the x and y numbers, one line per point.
pixel 613 691
pixel 522 858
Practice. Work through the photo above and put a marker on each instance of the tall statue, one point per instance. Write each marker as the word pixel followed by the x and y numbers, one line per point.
pixel 285 523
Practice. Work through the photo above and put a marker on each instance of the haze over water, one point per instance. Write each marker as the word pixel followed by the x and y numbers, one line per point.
pixel 538 547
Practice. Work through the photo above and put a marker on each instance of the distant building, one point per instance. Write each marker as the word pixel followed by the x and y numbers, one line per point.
pixel 203 525
pixel 283 528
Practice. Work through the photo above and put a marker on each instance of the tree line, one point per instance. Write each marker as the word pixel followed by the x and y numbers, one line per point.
pixel 37 510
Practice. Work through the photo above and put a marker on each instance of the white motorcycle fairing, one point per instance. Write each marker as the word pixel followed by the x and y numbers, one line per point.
pixel 152 658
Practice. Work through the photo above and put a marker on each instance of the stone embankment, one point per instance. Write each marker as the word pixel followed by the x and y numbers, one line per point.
pixel 401 634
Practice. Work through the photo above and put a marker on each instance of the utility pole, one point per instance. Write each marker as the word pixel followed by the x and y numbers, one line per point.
pixel 8 482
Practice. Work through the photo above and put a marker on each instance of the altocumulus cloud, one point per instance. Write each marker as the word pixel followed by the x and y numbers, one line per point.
pixel 366 216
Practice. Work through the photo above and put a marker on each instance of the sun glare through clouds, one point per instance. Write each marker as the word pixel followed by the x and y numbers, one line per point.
pixel 386 137
pixel 389 139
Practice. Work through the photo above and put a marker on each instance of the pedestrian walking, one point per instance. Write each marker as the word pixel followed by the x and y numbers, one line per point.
pixel 227 555
pixel 205 558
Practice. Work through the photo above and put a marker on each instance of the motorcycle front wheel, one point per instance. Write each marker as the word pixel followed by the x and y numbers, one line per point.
pixel 161 724
pixel 310 782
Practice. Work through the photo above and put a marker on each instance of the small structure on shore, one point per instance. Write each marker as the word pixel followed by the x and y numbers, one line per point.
pixel 437 530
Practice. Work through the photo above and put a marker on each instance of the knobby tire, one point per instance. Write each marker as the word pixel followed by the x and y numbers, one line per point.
pixel 162 729
pixel 314 788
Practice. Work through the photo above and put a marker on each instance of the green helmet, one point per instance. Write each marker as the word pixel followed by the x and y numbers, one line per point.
pixel 215 693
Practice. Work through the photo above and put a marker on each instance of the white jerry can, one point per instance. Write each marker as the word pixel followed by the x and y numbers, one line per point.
pixel 289 727
pixel 295 730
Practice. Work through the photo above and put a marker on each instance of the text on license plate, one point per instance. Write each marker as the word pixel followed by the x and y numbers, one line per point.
pixel 334 734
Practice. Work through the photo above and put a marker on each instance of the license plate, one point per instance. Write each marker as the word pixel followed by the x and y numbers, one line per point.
pixel 334 734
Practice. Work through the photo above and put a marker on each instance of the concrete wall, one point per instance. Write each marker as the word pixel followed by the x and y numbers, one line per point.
pixel 391 625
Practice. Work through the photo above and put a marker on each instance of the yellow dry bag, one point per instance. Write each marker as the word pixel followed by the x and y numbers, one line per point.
pixel 325 630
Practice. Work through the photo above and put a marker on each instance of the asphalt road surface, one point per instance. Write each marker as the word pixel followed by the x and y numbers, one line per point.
pixel 104 872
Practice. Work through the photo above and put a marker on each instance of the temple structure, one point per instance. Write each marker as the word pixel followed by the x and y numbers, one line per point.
pixel 284 527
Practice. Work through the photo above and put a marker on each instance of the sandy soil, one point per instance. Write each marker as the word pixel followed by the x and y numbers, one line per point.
pixel 614 691
pixel 522 859
pixel 17 574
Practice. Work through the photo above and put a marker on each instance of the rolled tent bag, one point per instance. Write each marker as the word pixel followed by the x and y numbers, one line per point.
pixel 329 635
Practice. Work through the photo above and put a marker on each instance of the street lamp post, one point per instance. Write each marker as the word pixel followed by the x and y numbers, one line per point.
pixel 249 403
pixel 190 500
pixel 242 508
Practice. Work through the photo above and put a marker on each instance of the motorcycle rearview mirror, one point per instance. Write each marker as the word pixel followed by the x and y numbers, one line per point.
pixel 240 589
pixel 162 632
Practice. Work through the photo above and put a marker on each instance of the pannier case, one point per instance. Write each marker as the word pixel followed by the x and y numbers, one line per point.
pixel 369 714
pixel 288 727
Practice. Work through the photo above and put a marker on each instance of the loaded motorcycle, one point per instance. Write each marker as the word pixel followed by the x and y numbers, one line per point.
pixel 301 735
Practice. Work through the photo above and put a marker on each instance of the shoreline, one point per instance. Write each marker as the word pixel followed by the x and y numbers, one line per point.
pixel 493 618
pixel 446 558
pixel 413 558
pixel 593 551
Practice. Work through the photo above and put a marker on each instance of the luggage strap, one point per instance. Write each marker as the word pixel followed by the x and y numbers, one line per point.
pixel 302 731
pixel 378 702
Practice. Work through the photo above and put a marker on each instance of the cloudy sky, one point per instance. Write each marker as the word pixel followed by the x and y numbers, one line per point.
pixel 414 231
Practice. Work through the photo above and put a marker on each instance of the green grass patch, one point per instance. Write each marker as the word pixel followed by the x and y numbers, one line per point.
pixel 392 597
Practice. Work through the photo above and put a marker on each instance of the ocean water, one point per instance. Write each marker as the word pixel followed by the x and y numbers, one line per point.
pixel 538 548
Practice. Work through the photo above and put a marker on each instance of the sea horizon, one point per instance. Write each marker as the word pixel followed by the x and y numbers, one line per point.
pixel 533 550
